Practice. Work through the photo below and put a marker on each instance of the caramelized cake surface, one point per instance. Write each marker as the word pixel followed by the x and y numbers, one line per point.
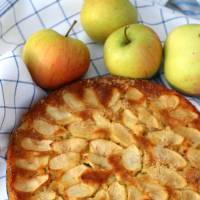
pixel 107 139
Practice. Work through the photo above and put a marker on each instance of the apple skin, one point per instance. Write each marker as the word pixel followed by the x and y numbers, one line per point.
pixel 138 58
pixel 100 18
pixel 53 59
pixel 182 59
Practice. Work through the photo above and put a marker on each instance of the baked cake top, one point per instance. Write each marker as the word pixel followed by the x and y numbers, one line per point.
pixel 107 139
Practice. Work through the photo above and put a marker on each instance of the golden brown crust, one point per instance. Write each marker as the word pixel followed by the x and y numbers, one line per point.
pixel 10 191
pixel 104 89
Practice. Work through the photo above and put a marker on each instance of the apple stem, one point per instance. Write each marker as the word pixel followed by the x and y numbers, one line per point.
pixel 72 26
pixel 125 34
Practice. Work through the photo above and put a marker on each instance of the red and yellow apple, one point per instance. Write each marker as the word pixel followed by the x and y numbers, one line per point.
pixel 54 59
pixel 133 51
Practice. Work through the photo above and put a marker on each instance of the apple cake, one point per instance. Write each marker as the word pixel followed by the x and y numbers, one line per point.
pixel 107 138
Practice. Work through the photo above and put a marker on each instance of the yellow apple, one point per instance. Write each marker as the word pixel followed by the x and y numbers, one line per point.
pixel 101 17
pixel 182 59
pixel 54 59
pixel 133 51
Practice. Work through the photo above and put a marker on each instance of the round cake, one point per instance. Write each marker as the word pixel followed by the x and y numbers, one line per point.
pixel 107 138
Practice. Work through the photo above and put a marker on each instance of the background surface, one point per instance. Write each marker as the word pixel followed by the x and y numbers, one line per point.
pixel 19 19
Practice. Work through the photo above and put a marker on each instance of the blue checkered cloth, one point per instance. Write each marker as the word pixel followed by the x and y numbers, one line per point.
pixel 5 5
pixel 188 7
pixel 19 19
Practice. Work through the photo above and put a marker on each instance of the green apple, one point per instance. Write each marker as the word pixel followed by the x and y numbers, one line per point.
pixel 101 17
pixel 54 59
pixel 133 51
pixel 182 59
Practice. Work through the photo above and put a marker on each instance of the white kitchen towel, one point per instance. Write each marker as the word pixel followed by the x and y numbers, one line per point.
pixel 18 91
